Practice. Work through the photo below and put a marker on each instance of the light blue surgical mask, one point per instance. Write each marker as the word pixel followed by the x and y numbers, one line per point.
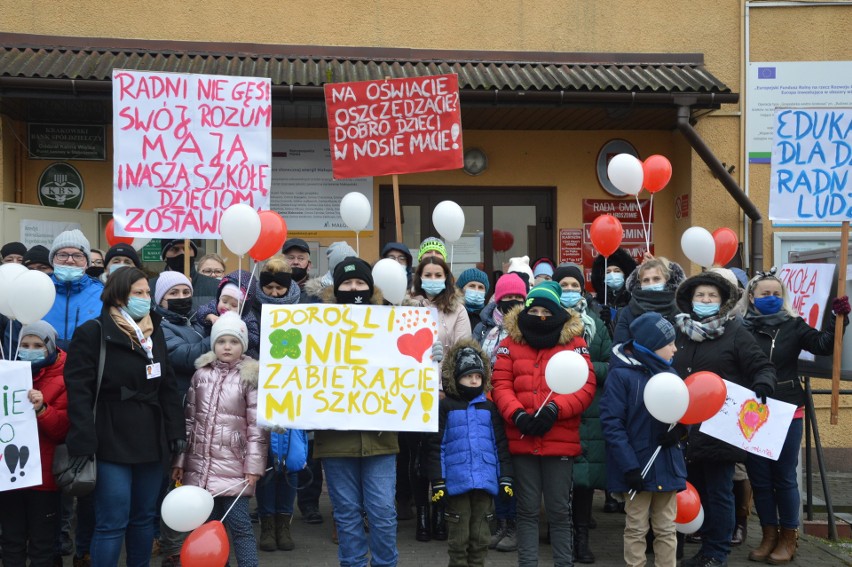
pixel 115 267
pixel 68 273
pixel 705 309
pixel 433 287
pixel 31 354
pixel 473 298
pixel 138 307
pixel 654 287
pixel 615 280
pixel 570 298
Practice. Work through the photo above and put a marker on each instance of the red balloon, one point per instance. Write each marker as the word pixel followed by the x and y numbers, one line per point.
pixel 707 392
pixel 726 245
pixel 112 239
pixel 206 546
pixel 658 173
pixel 606 233
pixel 688 505
pixel 501 240
pixel 273 233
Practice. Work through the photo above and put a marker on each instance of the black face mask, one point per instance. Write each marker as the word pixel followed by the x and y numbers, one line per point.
pixel 181 306
pixel 542 333
pixel 506 306
pixel 175 264
pixel 299 274
pixel 469 392
pixel 95 271
pixel 361 297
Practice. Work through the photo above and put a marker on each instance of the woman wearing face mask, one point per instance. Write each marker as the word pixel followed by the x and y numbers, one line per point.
pixel 139 416
pixel 611 284
pixel 590 465
pixel 28 517
pixel 782 335
pixel 474 285
pixel 543 443
pixel 275 285
pixel 434 286
pixel 710 338
pixel 652 287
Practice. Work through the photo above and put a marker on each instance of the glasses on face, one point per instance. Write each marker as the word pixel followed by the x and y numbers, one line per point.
pixel 99 263
pixel 64 257
pixel 212 272
pixel 401 259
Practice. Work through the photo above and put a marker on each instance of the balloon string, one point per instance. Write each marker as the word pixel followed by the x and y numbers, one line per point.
pixel 452 255
pixel 651 462
pixel 642 219
pixel 237 483
pixel 606 258
pixel 357 244
pixel 541 407
pixel 234 503
pixel 239 285
pixel 248 287
pixel 650 216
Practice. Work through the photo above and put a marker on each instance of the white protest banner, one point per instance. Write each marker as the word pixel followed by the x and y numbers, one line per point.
pixel 187 147
pixel 809 286
pixel 20 458
pixel 746 423
pixel 348 367
pixel 811 165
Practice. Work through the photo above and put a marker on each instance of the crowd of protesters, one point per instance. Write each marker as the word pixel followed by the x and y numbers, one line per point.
pixel 155 378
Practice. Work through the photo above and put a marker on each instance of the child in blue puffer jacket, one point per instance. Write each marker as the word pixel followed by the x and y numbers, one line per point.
pixel 469 461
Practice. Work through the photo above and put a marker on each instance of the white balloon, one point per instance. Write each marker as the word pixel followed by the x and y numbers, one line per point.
pixel 389 276
pixel 8 273
pixel 40 293
pixel 240 228
pixel 694 525
pixel 355 211
pixel 186 508
pixel 139 243
pixel 666 396
pixel 626 173
pixel 448 219
pixel 698 245
pixel 566 372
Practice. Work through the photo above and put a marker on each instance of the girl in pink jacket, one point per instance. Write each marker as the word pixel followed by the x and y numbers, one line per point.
pixel 224 442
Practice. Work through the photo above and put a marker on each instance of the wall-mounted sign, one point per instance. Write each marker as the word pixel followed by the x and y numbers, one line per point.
pixel 67 141
pixel 61 185
pixel 571 245
pixel 609 151
pixel 682 206
pixel 625 211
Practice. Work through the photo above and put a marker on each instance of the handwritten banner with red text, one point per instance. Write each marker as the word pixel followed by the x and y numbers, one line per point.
pixel 809 288
pixel 394 126
pixel 187 147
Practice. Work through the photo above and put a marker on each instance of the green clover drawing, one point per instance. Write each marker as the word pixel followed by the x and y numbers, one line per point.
pixel 285 343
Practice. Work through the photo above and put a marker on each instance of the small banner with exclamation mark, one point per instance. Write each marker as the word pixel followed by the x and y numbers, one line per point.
pixel 394 126
pixel 20 458
pixel 348 367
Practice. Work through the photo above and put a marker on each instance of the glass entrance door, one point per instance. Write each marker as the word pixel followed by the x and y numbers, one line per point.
pixel 500 223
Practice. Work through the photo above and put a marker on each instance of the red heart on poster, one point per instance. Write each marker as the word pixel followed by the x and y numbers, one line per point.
pixel 415 345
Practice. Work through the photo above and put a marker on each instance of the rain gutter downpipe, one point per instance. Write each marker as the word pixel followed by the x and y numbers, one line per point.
pixel 684 112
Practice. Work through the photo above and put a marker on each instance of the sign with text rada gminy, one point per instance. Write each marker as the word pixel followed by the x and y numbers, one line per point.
pixel 20 458
pixel 811 161
pixel 186 148
pixel 394 126
pixel 348 367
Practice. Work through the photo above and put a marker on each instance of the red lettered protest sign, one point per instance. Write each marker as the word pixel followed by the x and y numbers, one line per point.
pixel 394 126
pixel 808 286
pixel 187 147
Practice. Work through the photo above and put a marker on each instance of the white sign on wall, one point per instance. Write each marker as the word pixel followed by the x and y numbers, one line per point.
pixel 34 232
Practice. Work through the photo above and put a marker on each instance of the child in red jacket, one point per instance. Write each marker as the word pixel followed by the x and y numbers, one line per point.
pixel 543 446
pixel 28 516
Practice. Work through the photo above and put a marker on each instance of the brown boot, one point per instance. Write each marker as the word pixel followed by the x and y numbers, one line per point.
pixel 767 544
pixel 267 534
pixel 282 532
pixel 785 551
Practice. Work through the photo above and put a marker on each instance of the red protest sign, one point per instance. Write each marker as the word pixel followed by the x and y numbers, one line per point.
pixel 570 245
pixel 623 210
pixel 394 126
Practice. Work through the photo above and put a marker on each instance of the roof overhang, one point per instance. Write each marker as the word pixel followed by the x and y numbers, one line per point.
pixel 498 90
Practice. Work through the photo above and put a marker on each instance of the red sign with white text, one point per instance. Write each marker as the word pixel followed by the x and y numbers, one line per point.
pixel 622 209
pixel 570 245
pixel 394 126
pixel 632 233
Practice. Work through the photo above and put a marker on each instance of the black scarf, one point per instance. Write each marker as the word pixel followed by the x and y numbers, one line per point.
pixel 662 302
pixel 756 320
pixel 542 333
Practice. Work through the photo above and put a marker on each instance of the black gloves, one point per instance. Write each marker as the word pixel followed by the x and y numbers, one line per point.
pixel 761 391
pixel 76 464
pixel 439 489
pixel 177 446
pixel 634 480
pixel 671 438
pixel 545 419
pixel 505 490
pixel 523 421
pixel 605 315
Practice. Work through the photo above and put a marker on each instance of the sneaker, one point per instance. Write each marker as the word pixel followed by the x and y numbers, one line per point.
pixel 510 539
pixel 710 562
pixel 171 561
pixel 311 515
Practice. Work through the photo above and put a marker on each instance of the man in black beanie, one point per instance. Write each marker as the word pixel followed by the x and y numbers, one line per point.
pixel 12 252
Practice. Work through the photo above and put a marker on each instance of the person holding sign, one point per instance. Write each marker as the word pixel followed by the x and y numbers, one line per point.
pixel 469 460
pixel 782 335
pixel 710 337
pixel 360 466
pixel 138 411
pixel 543 438
pixel 28 517
pixel 632 433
